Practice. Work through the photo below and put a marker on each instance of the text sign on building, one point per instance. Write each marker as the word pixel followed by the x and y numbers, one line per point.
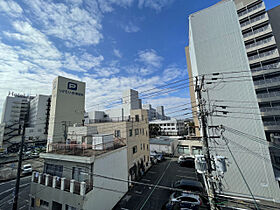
pixel 72 86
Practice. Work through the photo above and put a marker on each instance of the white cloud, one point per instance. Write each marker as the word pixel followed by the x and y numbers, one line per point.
pixel 72 24
pixel 154 4
pixel 150 57
pixel 117 53
pixel 11 8
pixel 173 72
pixel 130 28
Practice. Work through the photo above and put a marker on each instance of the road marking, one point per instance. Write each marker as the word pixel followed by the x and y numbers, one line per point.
pixel 25 177
pixel 148 180
pixel 11 189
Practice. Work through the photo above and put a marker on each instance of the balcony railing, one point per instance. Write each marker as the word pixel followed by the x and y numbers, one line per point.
pixel 265 67
pixel 72 186
pixel 253 20
pixel 270 109
pixel 250 9
pixel 264 28
pixel 261 55
pixel 271 123
pixel 268 95
pixel 261 42
pixel 267 81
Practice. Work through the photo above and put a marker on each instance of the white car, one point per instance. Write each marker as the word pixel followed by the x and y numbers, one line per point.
pixel 183 158
pixel 27 169
pixel 185 200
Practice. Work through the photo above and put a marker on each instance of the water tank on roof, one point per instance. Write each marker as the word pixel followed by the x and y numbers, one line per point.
pixel 200 164
pixel 220 163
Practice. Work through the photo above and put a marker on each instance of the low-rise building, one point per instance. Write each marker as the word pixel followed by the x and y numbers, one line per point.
pixel 78 177
pixel 134 131
pixel 164 145
pixel 172 127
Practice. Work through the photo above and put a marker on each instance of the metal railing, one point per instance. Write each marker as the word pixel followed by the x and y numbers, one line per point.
pixel 264 41
pixel 265 67
pixel 267 95
pixel 261 55
pixel 264 28
pixel 270 109
pixel 250 9
pixel 253 20
pixel 267 81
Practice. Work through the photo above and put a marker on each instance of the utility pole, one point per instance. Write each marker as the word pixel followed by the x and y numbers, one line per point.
pixel 15 202
pixel 211 191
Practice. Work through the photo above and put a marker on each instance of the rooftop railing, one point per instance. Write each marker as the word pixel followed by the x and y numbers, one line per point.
pixel 72 186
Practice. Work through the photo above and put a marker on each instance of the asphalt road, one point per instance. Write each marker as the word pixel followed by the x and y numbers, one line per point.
pixel 6 194
pixel 145 197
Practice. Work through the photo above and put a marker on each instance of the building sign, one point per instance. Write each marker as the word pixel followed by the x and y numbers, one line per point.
pixel 72 86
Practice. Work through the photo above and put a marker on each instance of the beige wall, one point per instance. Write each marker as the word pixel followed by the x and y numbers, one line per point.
pixel 192 92
pixel 135 140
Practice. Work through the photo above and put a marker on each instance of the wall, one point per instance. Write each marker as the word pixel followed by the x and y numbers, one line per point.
pixel 223 50
pixel 274 18
pixel 67 104
pixel 112 164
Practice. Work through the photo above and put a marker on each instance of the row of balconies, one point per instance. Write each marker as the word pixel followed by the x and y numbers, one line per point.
pixel 260 44
pixel 254 21
pixel 265 67
pixel 251 10
pixel 263 56
pixel 267 81
pixel 63 184
pixel 258 32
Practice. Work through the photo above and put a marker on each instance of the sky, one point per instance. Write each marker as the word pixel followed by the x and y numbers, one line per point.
pixel 112 45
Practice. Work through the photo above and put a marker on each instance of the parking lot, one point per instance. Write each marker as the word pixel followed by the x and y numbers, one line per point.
pixel 162 174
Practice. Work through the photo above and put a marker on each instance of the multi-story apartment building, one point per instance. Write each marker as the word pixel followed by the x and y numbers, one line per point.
pixel 172 127
pixel 39 111
pixel 14 112
pixel 76 176
pixel 216 45
pixel 155 114
pixel 135 133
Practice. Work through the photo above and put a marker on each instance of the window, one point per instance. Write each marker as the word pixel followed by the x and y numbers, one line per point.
pixel 79 174
pixel 143 118
pixel 44 203
pixel 137 118
pixel 130 132
pixel 70 207
pixel 144 158
pixel 32 202
pixel 54 170
pixel 172 124
pixel 134 149
pixel 146 133
pixel 147 146
pixel 117 133
pixel 143 146
pixel 143 131
pixel 136 131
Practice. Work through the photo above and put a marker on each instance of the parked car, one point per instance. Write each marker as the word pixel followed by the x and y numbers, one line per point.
pixel 182 200
pixel 157 155
pixel 187 161
pixel 27 169
pixel 192 186
pixel 35 154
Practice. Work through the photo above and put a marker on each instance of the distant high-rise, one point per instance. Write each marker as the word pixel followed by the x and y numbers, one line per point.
pixel 67 108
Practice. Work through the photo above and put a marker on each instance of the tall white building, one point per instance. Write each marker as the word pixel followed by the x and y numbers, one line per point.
pixel 15 111
pixel 155 114
pixel 67 108
pixel 216 45
pixel 39 111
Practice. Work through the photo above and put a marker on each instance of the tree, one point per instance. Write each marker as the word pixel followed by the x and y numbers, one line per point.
pixel 154 130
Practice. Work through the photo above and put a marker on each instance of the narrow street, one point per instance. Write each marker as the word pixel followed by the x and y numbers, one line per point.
pixel 145 197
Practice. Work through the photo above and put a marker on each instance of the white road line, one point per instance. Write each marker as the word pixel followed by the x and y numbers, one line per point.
pixel 25 177
pixel 188 177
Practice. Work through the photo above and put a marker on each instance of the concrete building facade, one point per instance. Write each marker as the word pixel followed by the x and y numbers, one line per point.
pixel 172 127
pixel 67 107
pixel 73 180
pixel 38 122
pixel 155 114
pixel 223 50
pixel 135 133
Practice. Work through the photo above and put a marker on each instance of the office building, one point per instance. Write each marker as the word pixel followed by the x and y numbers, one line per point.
pixel 216 45
pixel 135 133
pixel 172 127
pixel 15 111
pixel 39 111
pixel 67 108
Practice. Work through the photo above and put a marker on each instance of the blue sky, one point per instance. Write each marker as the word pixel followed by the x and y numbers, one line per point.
pixel 112 45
